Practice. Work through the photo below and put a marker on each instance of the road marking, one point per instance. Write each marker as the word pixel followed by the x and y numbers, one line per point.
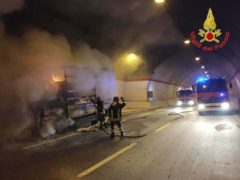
pixel 124 120
pixel 49 141
pixel 161 128
pixel 101 163
pixel 141 115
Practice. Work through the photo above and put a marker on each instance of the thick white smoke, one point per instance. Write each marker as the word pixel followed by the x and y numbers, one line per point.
pixel 26 67
pixel 94 72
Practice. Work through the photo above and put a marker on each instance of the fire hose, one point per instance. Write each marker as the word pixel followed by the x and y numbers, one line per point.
pixel 145 134
pixel 179 114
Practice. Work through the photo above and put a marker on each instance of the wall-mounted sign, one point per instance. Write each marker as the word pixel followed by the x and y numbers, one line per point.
pixel 210 38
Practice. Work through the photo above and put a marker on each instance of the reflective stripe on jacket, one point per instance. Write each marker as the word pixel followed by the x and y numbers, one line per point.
pixel 115 111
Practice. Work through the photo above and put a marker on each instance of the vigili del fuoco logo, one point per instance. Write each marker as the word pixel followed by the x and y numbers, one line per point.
pixel 210 38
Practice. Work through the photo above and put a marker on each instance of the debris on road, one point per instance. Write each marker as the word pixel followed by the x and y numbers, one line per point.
pixel 87 129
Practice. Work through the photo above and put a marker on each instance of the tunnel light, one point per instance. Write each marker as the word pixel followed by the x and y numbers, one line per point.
pixel 202 67
pixel 197 58
pixel 131 58
pixel 159 1
pixel 205 72
pixel 187 42
pixel 201 106
pixel 225 106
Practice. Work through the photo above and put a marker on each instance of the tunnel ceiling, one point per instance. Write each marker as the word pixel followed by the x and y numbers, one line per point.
pixel 155 32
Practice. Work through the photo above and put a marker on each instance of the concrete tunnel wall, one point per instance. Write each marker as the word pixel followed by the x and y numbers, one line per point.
pixel 179 70
pixel 136 93
pixel 162 84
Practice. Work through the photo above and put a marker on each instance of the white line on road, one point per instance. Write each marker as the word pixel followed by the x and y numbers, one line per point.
pixel 145 114
pixel 161 128
pixel 101 163
pixel 124 120
pixel 49 141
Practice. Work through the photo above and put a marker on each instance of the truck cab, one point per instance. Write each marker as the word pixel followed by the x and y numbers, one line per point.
pixel 212 95
pixel 185 97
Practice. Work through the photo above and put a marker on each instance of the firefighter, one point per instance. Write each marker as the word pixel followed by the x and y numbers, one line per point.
pixel 100 111
pixel 115 115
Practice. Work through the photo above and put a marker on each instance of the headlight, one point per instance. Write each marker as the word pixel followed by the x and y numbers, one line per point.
pixel 225 105
pixel 191 102
pixel 201 106
pixel 179 103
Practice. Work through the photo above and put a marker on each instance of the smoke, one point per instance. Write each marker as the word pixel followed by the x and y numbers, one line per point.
pixel 2 30
pixel 94 72
pixel 27 64
pixel 7 6
pixel 25 67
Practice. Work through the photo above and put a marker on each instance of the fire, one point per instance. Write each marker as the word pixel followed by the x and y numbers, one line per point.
pixel 57 78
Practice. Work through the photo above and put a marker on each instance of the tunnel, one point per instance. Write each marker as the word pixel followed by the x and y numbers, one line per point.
pixel 40 38
pixel 119 89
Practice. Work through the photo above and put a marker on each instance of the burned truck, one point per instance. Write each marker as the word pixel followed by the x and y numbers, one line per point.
pixel 69 109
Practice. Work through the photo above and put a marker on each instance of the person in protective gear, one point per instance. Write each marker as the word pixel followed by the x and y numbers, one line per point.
pixel 115 115
pixel 100 111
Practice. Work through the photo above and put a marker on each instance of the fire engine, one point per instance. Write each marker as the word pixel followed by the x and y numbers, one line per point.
pixel 212 95
pixel 186 97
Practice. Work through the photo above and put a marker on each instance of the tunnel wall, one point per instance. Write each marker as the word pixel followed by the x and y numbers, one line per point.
pixel 133 90
pixel 180 70
pixel 235 92
pixel 236 86
pixel 162 90
pixel 136 93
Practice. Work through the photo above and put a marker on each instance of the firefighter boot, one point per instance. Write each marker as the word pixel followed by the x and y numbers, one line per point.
pixel 122 134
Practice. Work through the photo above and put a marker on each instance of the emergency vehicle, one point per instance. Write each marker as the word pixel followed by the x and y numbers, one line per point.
pixel 212 95
pixel 186 97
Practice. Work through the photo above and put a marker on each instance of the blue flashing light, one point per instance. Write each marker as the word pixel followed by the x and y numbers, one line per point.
pixel 221 94
pixel 201 80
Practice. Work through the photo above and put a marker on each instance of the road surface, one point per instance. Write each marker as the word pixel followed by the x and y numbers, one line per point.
pixel 174 147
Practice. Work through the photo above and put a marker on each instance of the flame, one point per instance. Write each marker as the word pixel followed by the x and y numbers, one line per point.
pixel 210 21
pixel 57 78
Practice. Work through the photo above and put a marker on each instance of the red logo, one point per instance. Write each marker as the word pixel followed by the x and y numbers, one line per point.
pixel 208 39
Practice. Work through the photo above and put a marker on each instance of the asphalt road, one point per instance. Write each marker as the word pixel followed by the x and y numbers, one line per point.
pixel 173 147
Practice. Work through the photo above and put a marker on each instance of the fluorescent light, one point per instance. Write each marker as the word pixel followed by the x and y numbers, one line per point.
pixel 187 41
pixel 159 1
pixel 197 58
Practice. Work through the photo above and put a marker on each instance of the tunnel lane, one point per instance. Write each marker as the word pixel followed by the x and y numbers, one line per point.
pixel 194 147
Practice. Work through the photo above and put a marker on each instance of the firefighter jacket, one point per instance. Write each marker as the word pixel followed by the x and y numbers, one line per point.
pixel 115 111
pixel 100 107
